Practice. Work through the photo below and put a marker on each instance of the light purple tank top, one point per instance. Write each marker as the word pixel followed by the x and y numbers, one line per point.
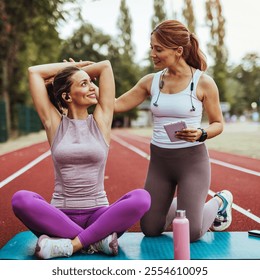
pixel 79 154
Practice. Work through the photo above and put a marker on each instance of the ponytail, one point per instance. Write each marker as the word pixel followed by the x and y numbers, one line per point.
pixel 61 83
pixel 196 57
pixel 52 98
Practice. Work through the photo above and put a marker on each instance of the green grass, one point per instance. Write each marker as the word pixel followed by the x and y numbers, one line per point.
pixel 237 138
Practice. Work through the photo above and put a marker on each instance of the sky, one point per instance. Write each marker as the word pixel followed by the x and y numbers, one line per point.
pixel 241 16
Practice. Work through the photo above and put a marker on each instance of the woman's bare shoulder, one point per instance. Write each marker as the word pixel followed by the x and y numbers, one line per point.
pixel 206 80
pixel 146 81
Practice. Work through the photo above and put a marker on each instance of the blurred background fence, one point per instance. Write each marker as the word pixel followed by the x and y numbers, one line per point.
pixel 28 121
pixel 3 123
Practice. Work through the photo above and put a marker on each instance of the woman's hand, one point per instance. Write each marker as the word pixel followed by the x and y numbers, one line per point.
pixel 81 63
pixel 70 60
pixel 189 134
pixel 49 80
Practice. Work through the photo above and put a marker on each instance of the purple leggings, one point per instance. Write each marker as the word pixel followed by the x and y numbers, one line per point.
pixel 89 225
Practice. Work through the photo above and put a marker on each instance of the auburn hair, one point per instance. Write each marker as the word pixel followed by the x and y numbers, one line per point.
pixel 172 34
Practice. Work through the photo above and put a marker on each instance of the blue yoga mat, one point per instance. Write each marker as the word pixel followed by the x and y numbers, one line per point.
pixel 135 246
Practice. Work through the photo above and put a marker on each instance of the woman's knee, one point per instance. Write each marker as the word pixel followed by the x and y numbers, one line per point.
pixel 151 231
pixel 195 234
pixel 151 228
pixel 20 200
pixel 142 199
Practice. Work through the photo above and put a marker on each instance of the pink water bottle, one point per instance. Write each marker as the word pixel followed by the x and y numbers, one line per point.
pixel 181 236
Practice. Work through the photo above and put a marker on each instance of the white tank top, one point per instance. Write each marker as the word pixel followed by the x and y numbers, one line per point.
pixel 174 107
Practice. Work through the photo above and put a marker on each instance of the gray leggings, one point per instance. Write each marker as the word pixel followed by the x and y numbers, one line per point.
pixel 185 171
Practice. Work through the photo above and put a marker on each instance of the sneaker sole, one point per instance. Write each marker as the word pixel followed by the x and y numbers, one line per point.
pixel 114 244
pixel 229 213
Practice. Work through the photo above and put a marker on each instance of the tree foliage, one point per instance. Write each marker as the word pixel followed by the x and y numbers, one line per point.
pixel 27 34
pixel 124 24
pixel 247 75
pixel 159 15
pixel 88 43
pixel 189 17
pixel 159 12
pixel 217 49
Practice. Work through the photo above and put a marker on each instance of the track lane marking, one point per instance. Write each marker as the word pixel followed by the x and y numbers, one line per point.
pixel 211 193
pixel 235 167
pixel 215 161
pixel 24 169
pixel 146 156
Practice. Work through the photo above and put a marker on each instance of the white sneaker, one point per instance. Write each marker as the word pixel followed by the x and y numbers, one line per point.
pixel 108 246
pixel 224 216
pixel 48 248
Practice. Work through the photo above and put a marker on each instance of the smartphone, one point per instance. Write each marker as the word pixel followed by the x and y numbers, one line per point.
pixel 254 232
pixel 173 127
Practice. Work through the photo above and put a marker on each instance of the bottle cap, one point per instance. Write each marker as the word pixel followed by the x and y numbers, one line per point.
pixel 180 213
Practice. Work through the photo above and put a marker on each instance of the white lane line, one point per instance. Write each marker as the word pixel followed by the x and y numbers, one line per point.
pixel 138 138
pixel 130 147
pixel 211 193
pixel 24 169
pixel 235 167
pixel 215 161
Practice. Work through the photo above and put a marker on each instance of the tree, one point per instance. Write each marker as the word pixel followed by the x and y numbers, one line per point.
pixel 248 76
pixel 27 30
pixel 158 16
pixel 159 12
pixel 88 43
pixel 235 95
pixel 124 24
pixel 217 49
pixel 188 15
pixel 125 70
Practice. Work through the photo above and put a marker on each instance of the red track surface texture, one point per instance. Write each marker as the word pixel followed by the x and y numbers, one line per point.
pixel 126 169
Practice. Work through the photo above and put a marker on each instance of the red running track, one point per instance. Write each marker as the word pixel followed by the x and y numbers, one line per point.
pixel 126 169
